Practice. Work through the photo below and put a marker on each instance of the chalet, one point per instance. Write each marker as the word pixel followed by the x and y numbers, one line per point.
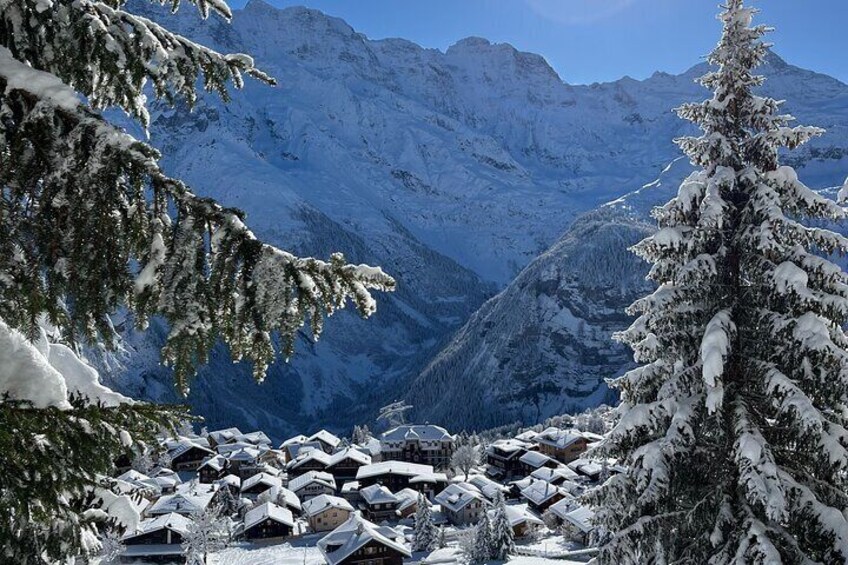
pixel 259 483
pixel 398 475
pixel 534 460
pixel 488 487
pixel 231 483
pixel 220 437
pixel 407 502
pixel 212 469
pixel 312 484
pixel 157 538
pixel 563 445
pixel 578 524
pixel 556 476
pixel 329 442
pixel 425 444
pixel 528 436
pixel 378 503
pixel 592 470
pixel 326 513
pixel 503 458
pixel 541 495
pixel 267 521
pixel 350 492
pixel 345 463
pixel 244 462
pixel 462 504
pixel 187 455
pixel 255 438
pixel 286 498
pixel 523 522
pixel 186 503
pixel 360 542
pixel 308 460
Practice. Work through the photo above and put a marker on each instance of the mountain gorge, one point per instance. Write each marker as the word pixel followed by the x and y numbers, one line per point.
pixel 458 172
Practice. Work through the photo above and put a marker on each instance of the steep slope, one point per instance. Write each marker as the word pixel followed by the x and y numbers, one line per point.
pixel 451 170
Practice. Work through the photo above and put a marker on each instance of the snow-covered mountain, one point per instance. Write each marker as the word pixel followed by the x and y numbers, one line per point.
pixel 453 171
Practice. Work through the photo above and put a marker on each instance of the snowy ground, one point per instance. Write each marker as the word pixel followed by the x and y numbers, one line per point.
pixel 296 553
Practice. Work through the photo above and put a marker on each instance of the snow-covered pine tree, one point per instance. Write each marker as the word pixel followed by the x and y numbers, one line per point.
pixel 425 533
pixel 89 223
pixel 503 536
pixel 732 429
pixel 483 548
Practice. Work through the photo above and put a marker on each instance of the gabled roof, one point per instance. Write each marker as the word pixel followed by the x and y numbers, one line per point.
pixel 308 456
pixel 324 502
pixel 394 468
pixel 298 439
pixel 244 455
pixel 539 492
pixel 377 494
pixel 291 500
pixel 320 477
pixel 563 507
pixel 458 495
pixel 586 467
pixel 269 481
pixel 267 511
pixel 181 503
pixel 224 435
pixel 216 462
pixel 529 435
pixel 256 438
pixel 535 459
pixel 350 453
pixel 581 517
pixel 184 445
pixel 557 474
pixel 407 498
pixel 510 446
pixel 559 438
pixel 486 486
pixel 426 432
pixel 230 480
pixel 172 521
pixel 519 515
pixel 345 540
pixel 326 437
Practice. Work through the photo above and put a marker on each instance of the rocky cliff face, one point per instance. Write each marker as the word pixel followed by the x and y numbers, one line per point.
pixel 454 171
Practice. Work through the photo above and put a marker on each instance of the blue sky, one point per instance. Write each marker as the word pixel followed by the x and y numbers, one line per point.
pixel 600 40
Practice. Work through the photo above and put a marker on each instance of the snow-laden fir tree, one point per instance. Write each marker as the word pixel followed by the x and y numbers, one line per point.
pixel 732 429
pixel 482 549
pixel 425 533
pixel 89 223
pixel 503 536
pixel 207 533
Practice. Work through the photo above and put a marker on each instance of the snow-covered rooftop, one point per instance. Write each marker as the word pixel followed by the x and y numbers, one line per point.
pixel 354 534
pixel 377 494
pixel 426 432
pixel 559 438
pixel 320 477
pixel 261 478
pixel 535 459
pixel 395 468
pixel 323 502
pixel 458 495
pixel 171 521
pixel 265 511
pixel 539 492
pixel 349 453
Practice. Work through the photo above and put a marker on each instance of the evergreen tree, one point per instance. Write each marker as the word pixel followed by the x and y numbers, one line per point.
pixel 441 539
pixel 425 534
pixel 503 536
pixel 483 547
pixel 732 429
pixel 89 223
pixel 111 548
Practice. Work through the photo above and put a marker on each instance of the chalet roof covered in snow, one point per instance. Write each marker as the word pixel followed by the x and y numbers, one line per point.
pixel 563 507
pixel 397 468
pixel 457 496
pixel 183 445
pixel 519 514
pixel 425 432
pixel 319 477
pixel 216 462
pixel 558 438
pixel 556 474
pixel 349 453
pixel 256 438
pixel 527 436
pixel 265 479
pixel 345 540
pixel 535 459
pixel 586 467
pixel 581 517
pixel 324 502
pixel 486 486
pixel 325 437
pixel 171 521
pixel 539 492
pixel 229 480
pixel 289 498
pixel 305 456
pixel 224 436
pixel 181 503
pixel 508 446
pixel 378 494
pixel 407 497
pixel 296 440
pixel 267 511
pixel 245 455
